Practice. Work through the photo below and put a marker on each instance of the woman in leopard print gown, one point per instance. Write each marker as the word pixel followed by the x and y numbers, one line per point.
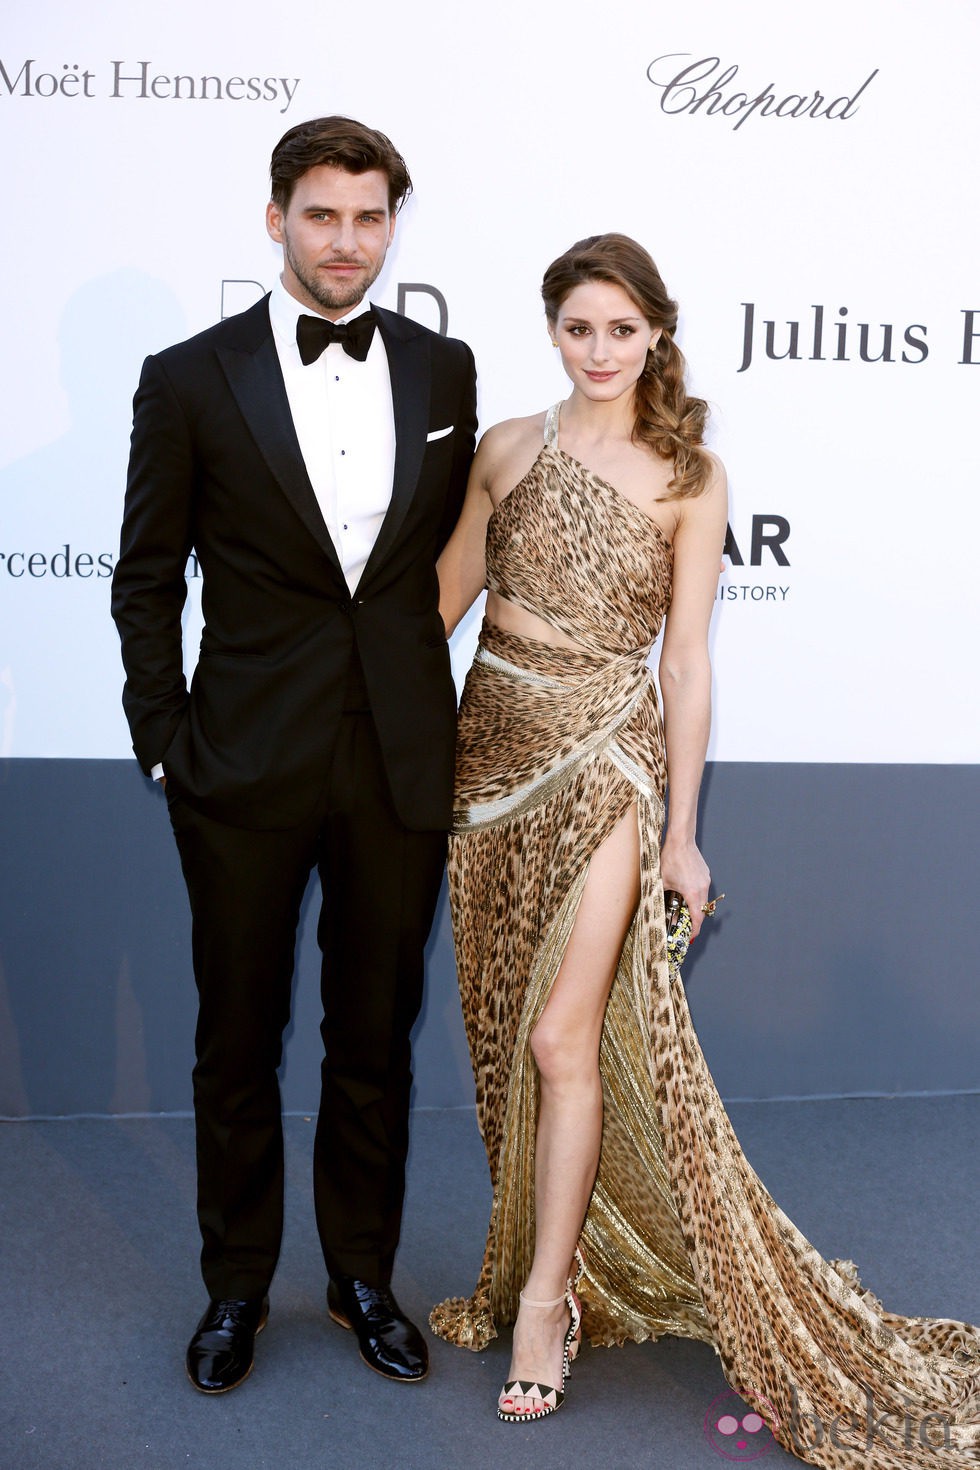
pixel 604 1131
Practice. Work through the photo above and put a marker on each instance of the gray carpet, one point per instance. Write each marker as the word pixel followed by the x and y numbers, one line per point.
pixel 100 1292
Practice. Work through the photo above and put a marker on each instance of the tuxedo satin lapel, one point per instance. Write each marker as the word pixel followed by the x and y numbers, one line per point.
pixel 255 379
pixel 409 370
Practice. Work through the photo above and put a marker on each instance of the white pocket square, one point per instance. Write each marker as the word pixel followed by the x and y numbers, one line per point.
pixel 438 434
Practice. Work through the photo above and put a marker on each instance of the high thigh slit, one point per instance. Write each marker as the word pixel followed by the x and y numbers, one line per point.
pixel 680 1235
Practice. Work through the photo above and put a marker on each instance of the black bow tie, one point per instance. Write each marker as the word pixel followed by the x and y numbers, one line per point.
pixel 314 333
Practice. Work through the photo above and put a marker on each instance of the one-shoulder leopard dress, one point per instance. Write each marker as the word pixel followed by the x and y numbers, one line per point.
pixel 681 1237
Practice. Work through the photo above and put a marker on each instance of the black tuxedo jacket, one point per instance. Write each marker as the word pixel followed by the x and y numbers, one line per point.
pixel 216 467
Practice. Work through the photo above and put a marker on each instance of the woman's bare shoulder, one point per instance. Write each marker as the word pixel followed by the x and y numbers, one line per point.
pixel 712 495
pixel 718 475
pixel 514 434
pixel 508 450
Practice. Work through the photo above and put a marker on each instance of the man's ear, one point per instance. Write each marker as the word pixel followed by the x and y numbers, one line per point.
pixel 273 221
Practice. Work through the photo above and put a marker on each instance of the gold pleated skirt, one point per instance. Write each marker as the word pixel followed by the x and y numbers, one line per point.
pixel 680 1236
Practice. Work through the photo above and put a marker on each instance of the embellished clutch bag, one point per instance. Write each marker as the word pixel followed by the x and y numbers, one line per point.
pixel 678 919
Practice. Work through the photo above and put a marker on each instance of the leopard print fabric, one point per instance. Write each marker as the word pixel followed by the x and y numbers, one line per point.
pixel 681 1236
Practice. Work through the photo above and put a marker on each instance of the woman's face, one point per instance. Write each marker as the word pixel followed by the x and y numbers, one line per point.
pixel 603 338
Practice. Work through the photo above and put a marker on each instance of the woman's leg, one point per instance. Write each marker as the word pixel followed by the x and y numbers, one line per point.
pixel 565 1045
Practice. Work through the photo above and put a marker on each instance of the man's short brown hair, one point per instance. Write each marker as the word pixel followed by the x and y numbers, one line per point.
pixel 341 143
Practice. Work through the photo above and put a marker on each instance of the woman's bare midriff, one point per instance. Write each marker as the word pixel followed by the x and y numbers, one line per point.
pixel 513 619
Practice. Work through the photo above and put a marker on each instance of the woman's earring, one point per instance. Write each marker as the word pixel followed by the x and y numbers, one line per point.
pixel 553 342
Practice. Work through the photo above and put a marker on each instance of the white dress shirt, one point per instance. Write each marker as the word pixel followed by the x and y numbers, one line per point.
pixel 343 416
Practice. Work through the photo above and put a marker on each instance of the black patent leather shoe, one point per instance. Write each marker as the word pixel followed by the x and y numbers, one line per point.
pixel 389 1342
pixel 219 1355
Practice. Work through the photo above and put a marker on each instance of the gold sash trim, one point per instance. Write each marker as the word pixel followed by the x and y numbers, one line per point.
pixel 605 699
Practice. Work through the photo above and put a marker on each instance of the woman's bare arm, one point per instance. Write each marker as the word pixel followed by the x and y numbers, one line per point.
pixel 685 683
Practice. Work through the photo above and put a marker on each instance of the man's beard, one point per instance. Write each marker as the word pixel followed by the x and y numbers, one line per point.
pixel 332 296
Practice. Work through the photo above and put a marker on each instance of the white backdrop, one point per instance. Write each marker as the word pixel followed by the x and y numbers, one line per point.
pixel 131 199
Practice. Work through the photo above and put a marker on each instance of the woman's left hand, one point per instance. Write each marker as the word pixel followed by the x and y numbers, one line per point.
pixel 684 869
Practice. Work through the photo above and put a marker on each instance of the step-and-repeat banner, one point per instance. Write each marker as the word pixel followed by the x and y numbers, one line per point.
pixel 804 177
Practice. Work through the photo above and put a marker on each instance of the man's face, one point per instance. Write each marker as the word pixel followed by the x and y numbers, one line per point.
pixel 334 236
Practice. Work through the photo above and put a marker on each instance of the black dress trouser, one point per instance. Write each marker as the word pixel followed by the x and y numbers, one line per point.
pixel 379 884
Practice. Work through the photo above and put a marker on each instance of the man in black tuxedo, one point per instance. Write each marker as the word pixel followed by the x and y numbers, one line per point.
pixel 316 472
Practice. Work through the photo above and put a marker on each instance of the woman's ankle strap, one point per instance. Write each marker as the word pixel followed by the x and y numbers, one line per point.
pixel 529 1302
